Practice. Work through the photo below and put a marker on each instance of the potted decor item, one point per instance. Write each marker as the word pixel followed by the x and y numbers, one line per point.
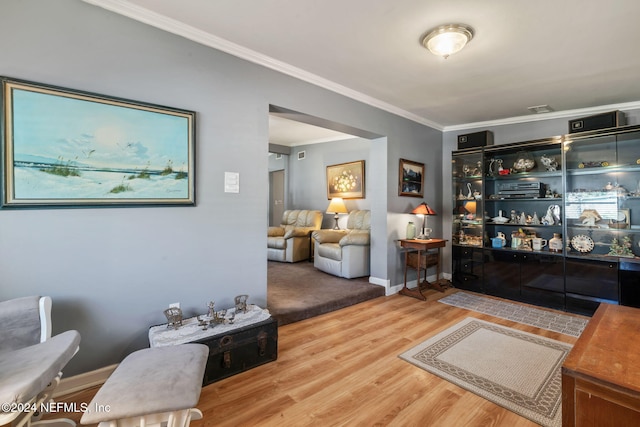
pixel 499 241
pixel 411 231
pixel 555 243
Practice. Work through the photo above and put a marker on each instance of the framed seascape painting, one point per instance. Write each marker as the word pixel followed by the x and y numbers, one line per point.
pixel 346 180
pixel 69 148
pixel 411 182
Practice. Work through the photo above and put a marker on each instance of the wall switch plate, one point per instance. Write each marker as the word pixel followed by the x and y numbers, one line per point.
pixel 231 182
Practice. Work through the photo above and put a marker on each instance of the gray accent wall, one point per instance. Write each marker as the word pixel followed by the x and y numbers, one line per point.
pixel 111 271
pixel 308 181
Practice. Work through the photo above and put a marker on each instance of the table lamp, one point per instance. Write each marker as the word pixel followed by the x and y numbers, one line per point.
pixel 337 207
pixel 470 207
pixel 423 210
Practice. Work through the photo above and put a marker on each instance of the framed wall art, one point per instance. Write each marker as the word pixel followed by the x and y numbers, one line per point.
pixel 346 180
pixel 63 147
pixel 411 180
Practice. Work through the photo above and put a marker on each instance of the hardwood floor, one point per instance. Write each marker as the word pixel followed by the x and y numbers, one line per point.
pixel 342 369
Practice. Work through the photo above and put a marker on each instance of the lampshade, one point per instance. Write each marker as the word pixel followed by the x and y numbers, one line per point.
pixel 337 206
pixel 448 39
pixel 470 206
pixel 423 209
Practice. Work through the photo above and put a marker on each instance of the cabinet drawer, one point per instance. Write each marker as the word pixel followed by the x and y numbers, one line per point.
pixel 580 304
pixel 630 283
pixel 468 281
pixel 592 278
pixel 543 298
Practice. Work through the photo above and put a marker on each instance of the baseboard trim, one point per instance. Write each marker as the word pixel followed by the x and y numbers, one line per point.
pixel 388 289
pixel 378 281
pixel 83 381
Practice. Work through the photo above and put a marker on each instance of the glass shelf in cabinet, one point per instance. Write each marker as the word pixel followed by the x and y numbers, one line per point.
pixel 509 224
pixel 521 175
pixel 544 252
pixel 495 198
pixel 597 170
pixel 588 229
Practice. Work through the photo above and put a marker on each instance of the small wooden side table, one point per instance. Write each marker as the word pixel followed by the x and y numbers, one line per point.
pixel 421 260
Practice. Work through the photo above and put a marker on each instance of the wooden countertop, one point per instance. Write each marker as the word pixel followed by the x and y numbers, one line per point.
pixel 609 348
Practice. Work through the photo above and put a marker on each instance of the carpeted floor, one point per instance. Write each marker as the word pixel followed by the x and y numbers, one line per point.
pixel 515 369
pixel 298 291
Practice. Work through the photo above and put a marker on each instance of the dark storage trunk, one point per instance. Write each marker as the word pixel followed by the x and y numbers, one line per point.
pixel 239 350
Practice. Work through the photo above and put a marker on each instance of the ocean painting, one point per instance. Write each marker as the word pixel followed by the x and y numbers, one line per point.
pixel 71 148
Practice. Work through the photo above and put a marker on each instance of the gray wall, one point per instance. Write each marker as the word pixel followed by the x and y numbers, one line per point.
pixel 308 179
pixel 111 272
pixel 503 134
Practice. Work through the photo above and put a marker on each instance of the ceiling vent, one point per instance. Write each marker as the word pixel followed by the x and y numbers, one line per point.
pixel 539 109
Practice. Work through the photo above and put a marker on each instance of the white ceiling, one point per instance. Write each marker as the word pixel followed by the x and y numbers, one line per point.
pixel 291 133
pixel 577 56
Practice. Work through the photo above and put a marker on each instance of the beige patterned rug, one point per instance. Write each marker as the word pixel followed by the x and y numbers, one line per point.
pixel 551 320
pixel 516 370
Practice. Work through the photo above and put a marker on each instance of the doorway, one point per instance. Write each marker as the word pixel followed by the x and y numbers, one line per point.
pixel 276 196
pixel 312 144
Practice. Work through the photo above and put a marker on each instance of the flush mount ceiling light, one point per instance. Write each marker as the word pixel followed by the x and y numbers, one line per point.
pixel 447 39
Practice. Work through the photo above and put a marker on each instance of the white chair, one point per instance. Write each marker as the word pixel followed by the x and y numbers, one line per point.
pixel 345 253
pixel 291 241
pixel 31 360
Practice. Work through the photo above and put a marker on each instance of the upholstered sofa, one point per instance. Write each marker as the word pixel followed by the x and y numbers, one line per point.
pixel 345 253
pixel 290 242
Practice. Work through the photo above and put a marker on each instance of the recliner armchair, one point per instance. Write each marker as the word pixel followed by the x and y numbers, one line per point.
pixel 290 242
pixel 345 253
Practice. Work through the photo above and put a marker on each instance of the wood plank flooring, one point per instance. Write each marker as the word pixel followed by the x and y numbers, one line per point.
pixel 342 369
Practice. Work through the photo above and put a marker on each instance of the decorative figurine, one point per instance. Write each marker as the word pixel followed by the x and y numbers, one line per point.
pixel 211 312
pixel 241 303
pixel 589 217
pixel 491 171
pixel 219 317
pixel 552 217
pixel 549 163
pixel 535 220
pixel 523 219
pixel 623 250
pixel 524 162
pixel 174 317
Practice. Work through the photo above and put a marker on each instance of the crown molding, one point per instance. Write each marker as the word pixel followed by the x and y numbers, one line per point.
pixel 546 116
pixel 146 16
pixel 159 21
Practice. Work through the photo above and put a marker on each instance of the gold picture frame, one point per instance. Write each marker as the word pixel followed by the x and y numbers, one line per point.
pixel 346 180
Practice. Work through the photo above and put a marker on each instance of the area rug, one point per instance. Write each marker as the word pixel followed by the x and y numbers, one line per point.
pixel 549 320
pixel 516 370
